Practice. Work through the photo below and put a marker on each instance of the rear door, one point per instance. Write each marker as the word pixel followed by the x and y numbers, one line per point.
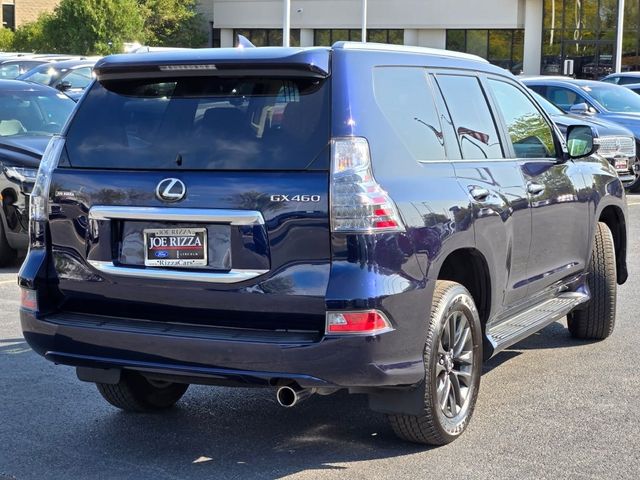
pixel 197 199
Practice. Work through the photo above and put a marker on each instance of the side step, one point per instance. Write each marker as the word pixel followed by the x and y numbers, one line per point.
pixel 522 325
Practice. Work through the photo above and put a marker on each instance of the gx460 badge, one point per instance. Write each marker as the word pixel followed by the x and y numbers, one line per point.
pixel 294 198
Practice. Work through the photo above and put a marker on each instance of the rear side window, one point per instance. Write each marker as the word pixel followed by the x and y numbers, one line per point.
pixel 202 123
pixel 79 78
pixel 563 97
pixel 474 125
pixel 406 100
pixel 628 80
pixel 530 133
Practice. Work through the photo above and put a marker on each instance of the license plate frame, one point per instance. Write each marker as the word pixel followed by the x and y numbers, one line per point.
pixel 176 248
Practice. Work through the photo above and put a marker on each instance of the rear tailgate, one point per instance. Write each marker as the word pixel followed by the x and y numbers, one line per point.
pixel 197 199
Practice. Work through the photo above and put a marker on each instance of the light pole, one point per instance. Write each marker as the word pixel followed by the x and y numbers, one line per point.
pixel 364 21
pixel 619 36
pixel 286 22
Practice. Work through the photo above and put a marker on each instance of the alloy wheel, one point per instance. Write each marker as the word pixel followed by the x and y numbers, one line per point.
pixel 454 365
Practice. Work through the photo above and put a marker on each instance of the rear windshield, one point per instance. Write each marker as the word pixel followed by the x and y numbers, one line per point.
pixel 202 123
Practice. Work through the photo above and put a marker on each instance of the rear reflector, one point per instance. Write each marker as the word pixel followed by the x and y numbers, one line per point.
pixel 29 300
pixel 363 322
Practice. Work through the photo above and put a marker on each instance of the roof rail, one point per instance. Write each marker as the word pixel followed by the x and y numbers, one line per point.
pixel 385 47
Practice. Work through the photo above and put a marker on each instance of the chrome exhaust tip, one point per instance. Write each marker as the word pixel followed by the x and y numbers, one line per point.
pixel 290 395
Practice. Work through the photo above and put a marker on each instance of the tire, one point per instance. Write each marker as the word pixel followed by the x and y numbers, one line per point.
pixel 8 255
pixel 597 320
pixel 134 393
pixel 439 425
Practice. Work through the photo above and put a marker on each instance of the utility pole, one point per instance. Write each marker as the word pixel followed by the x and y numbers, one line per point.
pixel 619 36
pixel 364 20
pixel 286 22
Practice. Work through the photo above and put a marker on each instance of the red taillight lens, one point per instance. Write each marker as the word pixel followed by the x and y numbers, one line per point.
pixel 364 322
pixel 358 203
pixel 29 299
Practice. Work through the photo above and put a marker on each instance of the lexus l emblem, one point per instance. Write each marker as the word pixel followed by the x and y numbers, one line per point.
pixel 171 190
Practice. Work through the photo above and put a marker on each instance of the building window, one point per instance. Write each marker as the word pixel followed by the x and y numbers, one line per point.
pixel 585 32
pixel 9 16
pixel 328 36
pixel 214 39
pixel 268 37
pixel 504 48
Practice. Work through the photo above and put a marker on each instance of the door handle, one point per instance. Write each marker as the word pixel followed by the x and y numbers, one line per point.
pixel 535 188
pixel 478 193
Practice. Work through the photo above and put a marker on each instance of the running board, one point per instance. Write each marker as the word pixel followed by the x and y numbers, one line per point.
pixel 517 328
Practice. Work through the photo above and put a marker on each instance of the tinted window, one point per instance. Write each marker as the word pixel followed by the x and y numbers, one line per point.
pixel 471 117
pixel 33 113
pixel 628 80
pixel 548 107
pixel 79 78
pixel 219 123
pixel 563 97
pixel 44 75
pixel 405 98
pixel 10 70
pixel 611 79
pixel 531 135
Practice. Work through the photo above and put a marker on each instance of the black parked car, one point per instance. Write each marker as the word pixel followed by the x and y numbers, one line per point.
pixel 594 100
pixel 616 144
pixel 365 217
pixel 29 116
pixel 69 76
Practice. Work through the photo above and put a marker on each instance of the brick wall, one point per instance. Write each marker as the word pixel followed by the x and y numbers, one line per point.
pixel 29 10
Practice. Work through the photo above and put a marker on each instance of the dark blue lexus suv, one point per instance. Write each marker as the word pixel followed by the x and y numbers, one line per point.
pixel 363 217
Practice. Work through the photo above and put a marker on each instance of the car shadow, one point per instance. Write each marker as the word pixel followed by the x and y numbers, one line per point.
pixel 12 346
pixel 256 438
pixel 555 335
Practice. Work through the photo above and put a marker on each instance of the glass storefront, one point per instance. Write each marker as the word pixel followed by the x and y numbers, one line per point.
pixel 501 47
pixel 328 36
pixel 585 31
pixel 268 37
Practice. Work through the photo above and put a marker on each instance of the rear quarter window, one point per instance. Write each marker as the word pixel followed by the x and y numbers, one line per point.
pixel 202 123
pixel 406 100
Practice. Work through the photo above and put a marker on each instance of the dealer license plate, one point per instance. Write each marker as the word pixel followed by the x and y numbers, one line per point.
pixel 175 247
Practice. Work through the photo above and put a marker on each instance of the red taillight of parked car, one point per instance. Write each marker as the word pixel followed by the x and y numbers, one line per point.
pixel 29 300
pixel 362 322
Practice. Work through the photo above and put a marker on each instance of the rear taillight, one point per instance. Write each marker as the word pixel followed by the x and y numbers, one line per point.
pixel 358 202
pixel 39 199
pixel 29 300
pixel 362 322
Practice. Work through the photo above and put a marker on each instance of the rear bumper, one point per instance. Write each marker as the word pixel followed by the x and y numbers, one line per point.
pixel 223 356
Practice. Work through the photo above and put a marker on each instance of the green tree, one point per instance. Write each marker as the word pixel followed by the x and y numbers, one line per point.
pixel 90 27
pixel 31 36
pixel 172 23
pixel 6 39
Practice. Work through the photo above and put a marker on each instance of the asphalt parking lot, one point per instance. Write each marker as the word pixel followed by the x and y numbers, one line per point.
pixel 550 407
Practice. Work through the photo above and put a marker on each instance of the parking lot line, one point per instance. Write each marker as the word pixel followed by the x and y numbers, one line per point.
pixel 6 282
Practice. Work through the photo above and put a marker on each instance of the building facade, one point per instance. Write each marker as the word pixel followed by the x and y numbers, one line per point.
pixel 18 12
pixel 525 36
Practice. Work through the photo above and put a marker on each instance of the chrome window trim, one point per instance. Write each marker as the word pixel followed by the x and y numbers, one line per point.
pixel 231 217
pixel 152 273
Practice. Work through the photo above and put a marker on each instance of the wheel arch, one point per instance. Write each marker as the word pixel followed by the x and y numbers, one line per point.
pixel 469 267
pixel 613 217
